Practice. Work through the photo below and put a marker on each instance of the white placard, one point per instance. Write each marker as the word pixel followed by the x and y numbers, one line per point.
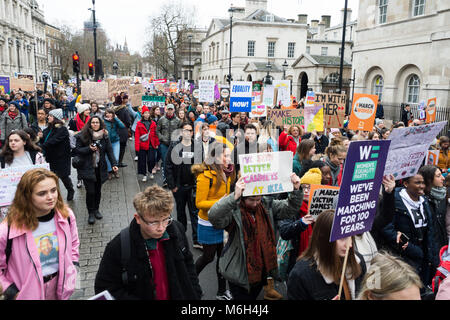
pixel 206 88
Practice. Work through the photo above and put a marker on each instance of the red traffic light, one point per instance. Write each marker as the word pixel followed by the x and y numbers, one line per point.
pixel 91 65
pixel 75 57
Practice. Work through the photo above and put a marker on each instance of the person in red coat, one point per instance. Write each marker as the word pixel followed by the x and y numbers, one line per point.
pixel 288 141
pixel 146 143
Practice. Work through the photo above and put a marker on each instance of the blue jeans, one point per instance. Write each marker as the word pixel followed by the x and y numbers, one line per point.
pixel 164 150
pixel 116 151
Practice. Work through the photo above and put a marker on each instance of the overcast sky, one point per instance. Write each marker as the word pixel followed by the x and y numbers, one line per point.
pixel 130 18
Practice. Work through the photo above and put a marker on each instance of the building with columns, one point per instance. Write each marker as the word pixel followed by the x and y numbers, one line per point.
pixel 17 41
pixel 402 51
pixel 53 37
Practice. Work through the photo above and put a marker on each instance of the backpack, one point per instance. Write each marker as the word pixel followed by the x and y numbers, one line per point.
pixel 9 243
pixel 125 244
pixel 443 270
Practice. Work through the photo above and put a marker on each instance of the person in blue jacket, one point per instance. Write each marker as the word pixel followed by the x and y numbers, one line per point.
pixel 411 231
pixel 113 125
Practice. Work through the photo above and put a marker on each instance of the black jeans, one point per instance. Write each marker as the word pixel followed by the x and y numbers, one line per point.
pixel 146 161
pixel 209 250
pixel 93 192
pixel 67 182
pixel 183 196
pixel 240 293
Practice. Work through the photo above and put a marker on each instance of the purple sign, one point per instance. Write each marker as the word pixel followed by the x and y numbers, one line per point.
pixel 361 182
pixel 216 92
pixel 4 85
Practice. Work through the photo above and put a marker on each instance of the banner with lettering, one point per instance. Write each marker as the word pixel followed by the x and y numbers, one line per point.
pixel 206 88
pixel 266 173
pixel 333 108
pixel 241 96
pixel 283 91
pixel 4 85
pixel 314 118
pixel 288 117
pixel 321 198
pixel 363 112
pixel 94 91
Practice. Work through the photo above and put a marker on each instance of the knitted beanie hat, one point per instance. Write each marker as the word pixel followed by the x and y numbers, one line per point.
pixel 313 176
pixel 57 113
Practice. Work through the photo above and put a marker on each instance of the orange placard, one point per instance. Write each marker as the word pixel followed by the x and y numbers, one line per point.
pixel 431 110
pixel 321 198
pixel 363 113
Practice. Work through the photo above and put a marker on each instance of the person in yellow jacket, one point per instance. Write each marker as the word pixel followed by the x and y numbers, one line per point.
pixel 444 158
pixel 214 178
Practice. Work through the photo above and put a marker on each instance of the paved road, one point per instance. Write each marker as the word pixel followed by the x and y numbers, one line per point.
pixel 117 209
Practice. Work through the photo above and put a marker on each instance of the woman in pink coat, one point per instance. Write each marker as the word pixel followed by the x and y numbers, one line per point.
pixel 38 242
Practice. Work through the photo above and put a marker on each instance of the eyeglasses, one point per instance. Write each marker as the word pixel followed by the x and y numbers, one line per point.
pixel 164 222
pixel 306 187
pixel 187 130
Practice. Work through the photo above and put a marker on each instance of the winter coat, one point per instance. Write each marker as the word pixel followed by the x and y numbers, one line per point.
pixel 114 128
pixel 414 253
pixel 23 274
pixel 182 277
pixel 124 116
pixel 174 167
pixel 232 263
pixel 297 165
pixel 83 150
pixel 7 124
pixel 443 161
pixel 56 147
pixel 306 282
pixel 166 127
pixel 438 212
pixel 140 131
pixel 287 142
pixel 321 144
pixel 135 116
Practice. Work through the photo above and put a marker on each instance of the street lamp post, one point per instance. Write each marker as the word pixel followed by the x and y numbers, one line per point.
pixel 284 65
pixel 231 10
pixel 95 41
pixel 268 80
pixel 341 67
pixel 190 48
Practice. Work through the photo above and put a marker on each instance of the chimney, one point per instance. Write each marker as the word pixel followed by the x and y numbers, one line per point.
pixel 302 18
pixel 314 24
pixel 321 30
pixel 349 15
pixel 327 21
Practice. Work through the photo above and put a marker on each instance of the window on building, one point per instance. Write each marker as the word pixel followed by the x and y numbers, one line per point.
pixel 335 35
pixel 418 7
pixel 308 50
pixel 324 51
pixel 378 87
pixel 382 11
pixel 251 48
pixel 333 78
pixel 413 89
pixel 291 49
pixel 226 50
pixel 271 49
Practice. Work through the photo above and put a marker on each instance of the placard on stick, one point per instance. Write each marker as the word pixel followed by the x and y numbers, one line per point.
pixel 321 198
pixel 333 108
pixel 94 91
pixel 288 117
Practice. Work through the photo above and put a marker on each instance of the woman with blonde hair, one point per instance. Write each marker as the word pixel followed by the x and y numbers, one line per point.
pixel 38 241
pixel 390 278
pixel 335 157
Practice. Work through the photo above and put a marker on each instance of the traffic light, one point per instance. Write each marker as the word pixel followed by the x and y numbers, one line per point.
pixel 229 78
pixel 91 68
pixel 76 63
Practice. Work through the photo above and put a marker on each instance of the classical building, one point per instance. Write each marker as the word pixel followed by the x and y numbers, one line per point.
pixel 53 35
pixel 191 51
pixel 17 41
pixel 402 51
pixel 258 38
pixel 40 39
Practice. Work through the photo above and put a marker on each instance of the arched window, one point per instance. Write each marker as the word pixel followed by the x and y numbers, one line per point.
pixel 378 87
pixel 413 89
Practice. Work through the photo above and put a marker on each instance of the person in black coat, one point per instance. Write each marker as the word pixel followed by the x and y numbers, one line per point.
pixel 55 143
pixel 316 275
pixel 92 143
pixel 160 265
pixel 123 114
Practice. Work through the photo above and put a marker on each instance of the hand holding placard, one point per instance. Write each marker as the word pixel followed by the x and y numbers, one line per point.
pixel 239 188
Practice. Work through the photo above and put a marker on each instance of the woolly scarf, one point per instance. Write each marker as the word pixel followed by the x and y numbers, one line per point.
pixel 259 240
pixel 415 209
pixel 228 170
pixel 13 115
pixel 97 135
pixel 334 170
pixel 438 193
pixel 80 123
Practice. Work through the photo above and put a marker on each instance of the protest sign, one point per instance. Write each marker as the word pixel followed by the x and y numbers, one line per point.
pixel 360 188
pixel 241 96
pixel 363 112
pixel 104 295
pixel 135 95
pixel 268 96
pixel 431 110
pixel 283 89
pixel 173 87
pixel 321 198
pixel 196 93
pixel 4 85
pixel 286 117
pixel 94 91
pixel 10 178
pixel 333 108
pixel 258 111
pixel 224 93
pixel 432 157
pixel 310 99
pixel 314 118
pixel 151 101
pixel 206 88
pixel 216 92
pixel 117 86
pixel 266 173
pixel 409 147
pixel 24 84
pixel 257 93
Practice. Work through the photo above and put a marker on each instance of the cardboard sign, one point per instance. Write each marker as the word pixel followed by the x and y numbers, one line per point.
pixel 333 108
pixel 4 85
pixel 94 91
pixel 266 173
pixel 268 96
pixel 258 111
pixel 360 188
pixel 288 117
pixel 24 84
pixel 151 101
pixel 363 112
pixel 321 198
pixel 314 118
pixel 283 88
pixel 432 157
pixel 431 110
pixel 257 93
pixel 206 88
pixel 117 86
pixel 241 96
pixel 10 178
pixel 409 147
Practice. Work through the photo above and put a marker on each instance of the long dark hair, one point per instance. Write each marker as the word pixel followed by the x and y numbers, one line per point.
pixel 8 154
pixel 86 132
pixel 428 172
